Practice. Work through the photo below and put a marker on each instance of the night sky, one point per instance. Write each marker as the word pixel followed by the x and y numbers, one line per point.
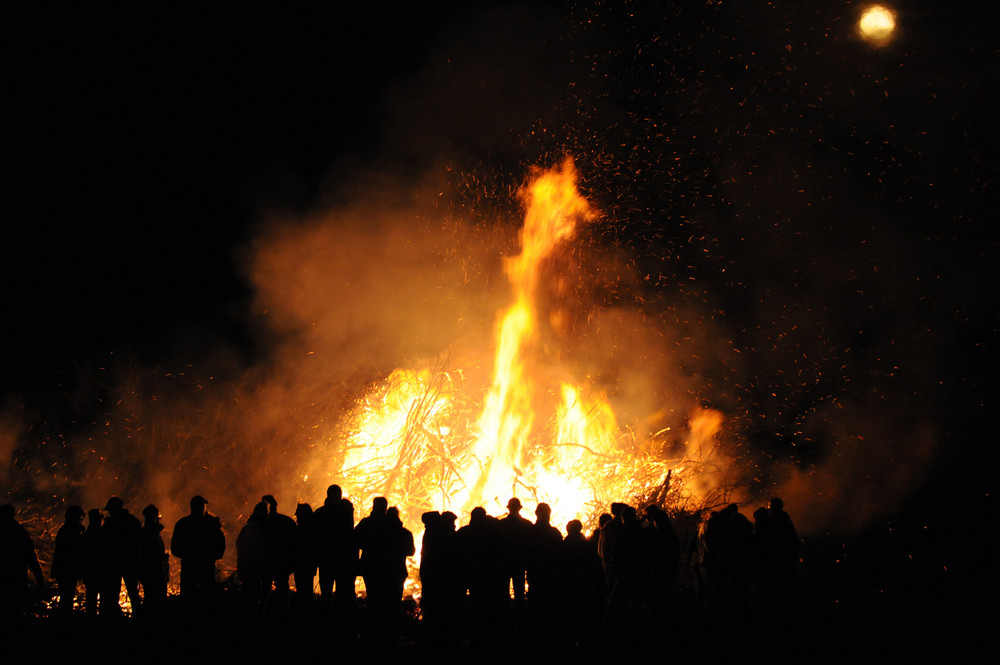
pixel 147 145
pixel 759 153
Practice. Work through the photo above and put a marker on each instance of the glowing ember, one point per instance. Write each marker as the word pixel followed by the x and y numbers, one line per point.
pixel 877 24
pixel 427 441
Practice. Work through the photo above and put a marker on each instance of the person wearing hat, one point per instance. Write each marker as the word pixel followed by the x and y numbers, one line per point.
pixel 516 533
pixel 122 531
pixel 282 531
pixel 198 541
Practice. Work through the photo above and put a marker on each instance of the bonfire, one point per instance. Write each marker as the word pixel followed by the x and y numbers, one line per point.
pixel 428 440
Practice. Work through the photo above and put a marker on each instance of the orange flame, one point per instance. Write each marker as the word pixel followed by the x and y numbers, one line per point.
pixel 508 417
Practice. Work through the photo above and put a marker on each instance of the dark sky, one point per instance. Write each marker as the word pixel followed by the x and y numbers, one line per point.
pixel 145 145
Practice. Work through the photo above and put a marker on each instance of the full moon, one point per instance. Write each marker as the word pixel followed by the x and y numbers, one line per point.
pixel 877 24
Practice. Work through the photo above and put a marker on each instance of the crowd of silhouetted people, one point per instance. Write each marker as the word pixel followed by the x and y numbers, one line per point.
pixel 491 580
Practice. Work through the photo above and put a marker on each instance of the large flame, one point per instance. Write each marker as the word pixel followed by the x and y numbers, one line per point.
pixel 427 441
pixel 507 422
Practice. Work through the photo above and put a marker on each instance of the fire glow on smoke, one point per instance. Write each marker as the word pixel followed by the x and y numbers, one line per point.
pixel 427 440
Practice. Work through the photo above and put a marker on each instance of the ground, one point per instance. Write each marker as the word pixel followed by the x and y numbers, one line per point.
pixel 815 632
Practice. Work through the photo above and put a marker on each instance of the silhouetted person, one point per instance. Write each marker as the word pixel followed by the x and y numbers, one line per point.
pixel 440 579
pixel 777 552
pixel 305 557
pixel 69 557
pixel 255 559
pixel 742 560
pixel 154 564
pixel 628 565
pixel 663 560
pixel 544 546
pixel 433 573
pixel 338 554
pixel 516 532
pixel 621 548
pixel 713 538
pixel 486 574
pixel 728 540
pixel 17 557
pixel 760 517
pixel 96 564
pixel 761 559
pixel 122 532
pixel 198 541
pixel 786 538
pixel 454 585
pixel 282 529
pixel 581 584
pixel 398 545
pixel 370 536
pixel 608 540
pixel 595 537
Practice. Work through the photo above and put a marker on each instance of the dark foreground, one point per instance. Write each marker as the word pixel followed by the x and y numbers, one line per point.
pixel 813 632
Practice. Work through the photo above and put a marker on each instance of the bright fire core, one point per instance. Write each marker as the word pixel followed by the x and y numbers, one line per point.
pixel 428 441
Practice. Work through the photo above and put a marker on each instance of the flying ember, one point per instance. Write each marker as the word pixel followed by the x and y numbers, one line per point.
pixel 428 440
